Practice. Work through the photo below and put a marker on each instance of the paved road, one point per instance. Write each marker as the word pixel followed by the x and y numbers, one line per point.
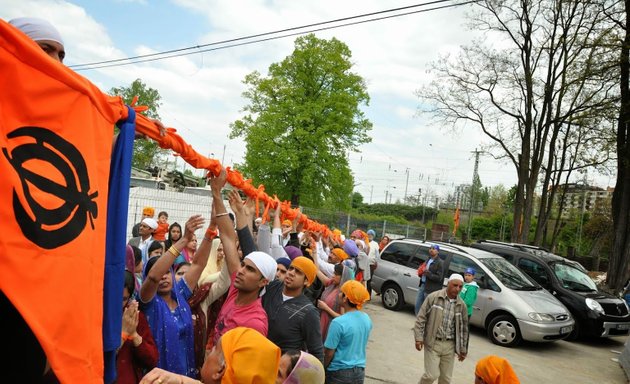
pixel 392 357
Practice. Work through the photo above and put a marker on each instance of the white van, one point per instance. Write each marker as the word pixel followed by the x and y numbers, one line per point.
pixel 510 306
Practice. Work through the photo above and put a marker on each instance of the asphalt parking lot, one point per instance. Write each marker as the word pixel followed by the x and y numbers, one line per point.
pixel 392 357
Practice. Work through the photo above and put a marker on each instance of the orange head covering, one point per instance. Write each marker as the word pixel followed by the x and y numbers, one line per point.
pixel 307 266
pixel 340 253
pixel 355 292
pixel 249 357
pixel 496 370
pixel 287 222
pixel 148 211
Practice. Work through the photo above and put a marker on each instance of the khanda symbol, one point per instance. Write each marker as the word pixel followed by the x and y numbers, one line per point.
pixel 51 227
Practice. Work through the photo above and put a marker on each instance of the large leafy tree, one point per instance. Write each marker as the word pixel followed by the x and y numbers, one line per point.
pixel 146 152
pixel 301 121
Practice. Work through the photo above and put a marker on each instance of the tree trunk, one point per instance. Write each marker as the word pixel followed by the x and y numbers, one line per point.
pixel 618 263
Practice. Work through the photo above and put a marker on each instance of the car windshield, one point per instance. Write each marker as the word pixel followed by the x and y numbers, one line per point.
pixel 509 275
pixel 573 278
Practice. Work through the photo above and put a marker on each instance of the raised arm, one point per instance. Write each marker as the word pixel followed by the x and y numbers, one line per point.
pixel 151 282
pixel 200 260
pixel 244 217
pixel 226 229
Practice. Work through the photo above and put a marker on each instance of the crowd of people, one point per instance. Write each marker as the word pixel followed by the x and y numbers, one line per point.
pixel 293 294
pixel 254 302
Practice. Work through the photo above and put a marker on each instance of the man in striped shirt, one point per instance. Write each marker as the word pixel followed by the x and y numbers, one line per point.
pixel 442 326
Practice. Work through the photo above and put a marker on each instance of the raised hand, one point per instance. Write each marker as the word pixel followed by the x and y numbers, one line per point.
pixel 236 203
pixel 130 318
pixel 217 182
pixel 194 223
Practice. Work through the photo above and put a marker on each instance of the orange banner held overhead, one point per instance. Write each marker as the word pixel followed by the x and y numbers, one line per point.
pixel 174 142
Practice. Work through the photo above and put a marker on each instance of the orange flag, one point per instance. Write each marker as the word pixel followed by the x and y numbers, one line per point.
pixel 456 220
pixel 56 141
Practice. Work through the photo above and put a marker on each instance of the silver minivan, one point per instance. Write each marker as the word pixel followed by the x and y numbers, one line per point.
pixel 510 306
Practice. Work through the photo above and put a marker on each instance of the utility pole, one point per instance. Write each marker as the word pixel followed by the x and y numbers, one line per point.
pixel 406 185
pixel 472 193
pixel 371 191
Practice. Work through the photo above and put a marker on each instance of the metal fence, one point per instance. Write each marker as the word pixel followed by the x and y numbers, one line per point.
pixel 180 206
pixel 346 223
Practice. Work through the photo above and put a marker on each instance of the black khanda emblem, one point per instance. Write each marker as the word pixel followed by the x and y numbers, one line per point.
pixel 54 227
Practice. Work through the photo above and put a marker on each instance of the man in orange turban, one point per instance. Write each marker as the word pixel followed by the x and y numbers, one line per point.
pixel 293 319
pixel 348 334
pixel 495 370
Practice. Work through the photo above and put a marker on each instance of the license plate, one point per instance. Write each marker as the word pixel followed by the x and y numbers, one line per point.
pixel 566 329
pixel 623 326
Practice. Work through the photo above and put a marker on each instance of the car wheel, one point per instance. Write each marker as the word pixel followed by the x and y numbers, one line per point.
pixel 392 297
pixel 503 330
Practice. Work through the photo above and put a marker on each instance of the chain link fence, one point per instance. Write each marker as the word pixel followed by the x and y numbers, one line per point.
pixel 346 223
pixel 181 205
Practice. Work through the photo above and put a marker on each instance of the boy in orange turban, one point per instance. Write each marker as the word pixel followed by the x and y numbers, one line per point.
pixel 348 335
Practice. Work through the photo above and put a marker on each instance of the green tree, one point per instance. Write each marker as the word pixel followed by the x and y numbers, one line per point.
pixel 357 200
pixel 301 121
pixel 146 152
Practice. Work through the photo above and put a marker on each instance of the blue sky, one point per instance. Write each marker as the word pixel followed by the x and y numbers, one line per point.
pixel 202 93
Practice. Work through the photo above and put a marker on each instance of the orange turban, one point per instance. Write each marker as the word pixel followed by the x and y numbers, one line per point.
pixel 340 253
pixel 307 267
pixel 496 370
pixel 355 292
pixel 249 357
pixel 287 222
pixel 150 211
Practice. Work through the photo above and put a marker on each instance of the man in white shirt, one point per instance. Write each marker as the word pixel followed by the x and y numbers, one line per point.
pixel 147 227
pixel 372 256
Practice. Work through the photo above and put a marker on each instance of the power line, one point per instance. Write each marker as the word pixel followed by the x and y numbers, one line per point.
pixel 186 51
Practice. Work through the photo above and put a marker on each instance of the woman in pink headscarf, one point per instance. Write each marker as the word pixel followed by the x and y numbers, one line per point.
pixel 299 367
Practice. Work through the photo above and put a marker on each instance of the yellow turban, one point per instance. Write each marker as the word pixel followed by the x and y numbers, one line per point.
pixel 249 357
pixel 307 267
pixel 355 292
pixel 149 211
pixel 340 253
pixel 287 222
pixel 496 370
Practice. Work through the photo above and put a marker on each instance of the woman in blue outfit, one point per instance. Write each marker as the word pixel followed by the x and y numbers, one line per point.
pixel 164 302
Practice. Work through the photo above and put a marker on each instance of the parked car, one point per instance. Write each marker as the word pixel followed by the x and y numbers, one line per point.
pixel 510 306
pixel 596 313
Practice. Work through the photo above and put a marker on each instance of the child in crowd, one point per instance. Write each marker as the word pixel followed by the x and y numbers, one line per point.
pixel 162 229
pixel 469 291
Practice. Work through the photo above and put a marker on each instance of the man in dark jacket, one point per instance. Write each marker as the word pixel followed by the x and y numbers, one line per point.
pixel 293 319
pixel 431 277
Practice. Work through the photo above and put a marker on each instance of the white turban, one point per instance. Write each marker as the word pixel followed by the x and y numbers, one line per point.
pixel 456 276
pixel 265 264
pixel 37 29
pixel 149 222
